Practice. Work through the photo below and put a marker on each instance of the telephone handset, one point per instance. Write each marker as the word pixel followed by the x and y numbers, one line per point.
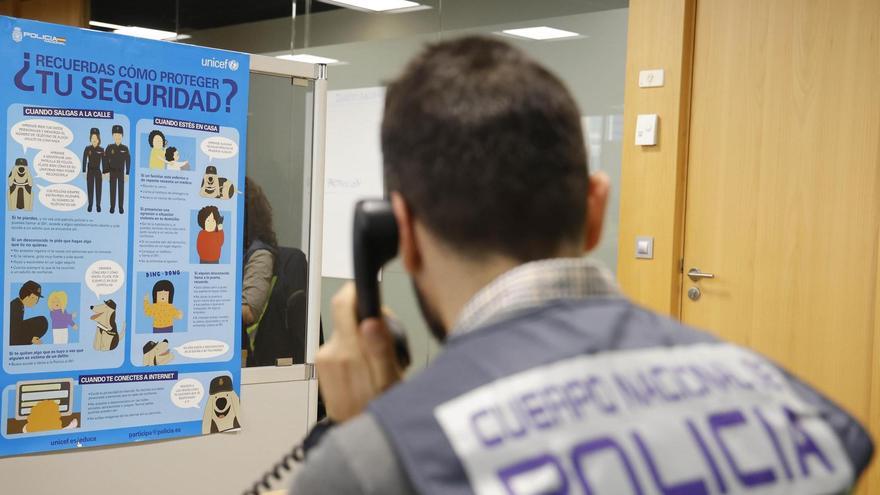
pixel 375 240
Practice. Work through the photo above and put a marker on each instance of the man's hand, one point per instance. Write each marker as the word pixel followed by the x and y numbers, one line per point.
pixel 36 340
pixel 358 362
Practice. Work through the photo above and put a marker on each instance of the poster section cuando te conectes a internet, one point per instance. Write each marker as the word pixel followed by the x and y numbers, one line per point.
pixel 122 235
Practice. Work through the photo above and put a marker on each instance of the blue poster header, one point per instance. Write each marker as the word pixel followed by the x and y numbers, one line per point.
pixel 45 68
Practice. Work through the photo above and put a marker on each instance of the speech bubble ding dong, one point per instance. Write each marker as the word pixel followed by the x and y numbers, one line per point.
pixel 57 165
pixel 104 277
pixel 203 349
pixel 41 134
pixel 62 197
pixel 187 393
pixel 219 147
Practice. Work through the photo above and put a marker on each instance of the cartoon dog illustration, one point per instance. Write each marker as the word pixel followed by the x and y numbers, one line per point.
pixel 221 410
pixel 157 353
pixel 214 186
pixel 21 185
pixel 107 335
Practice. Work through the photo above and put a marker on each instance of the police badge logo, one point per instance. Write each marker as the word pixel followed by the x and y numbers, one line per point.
pixel 16 34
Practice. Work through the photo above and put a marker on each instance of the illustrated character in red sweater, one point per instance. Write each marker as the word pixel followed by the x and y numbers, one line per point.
pixel 210 239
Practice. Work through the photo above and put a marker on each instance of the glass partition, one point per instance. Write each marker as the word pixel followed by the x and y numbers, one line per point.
pixel 277 220
pixel 276 152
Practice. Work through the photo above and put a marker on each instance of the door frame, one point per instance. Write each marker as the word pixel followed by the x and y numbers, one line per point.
pixel 654 178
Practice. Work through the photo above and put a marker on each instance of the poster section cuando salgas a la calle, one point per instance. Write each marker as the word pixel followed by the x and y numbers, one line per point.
pixel 122 231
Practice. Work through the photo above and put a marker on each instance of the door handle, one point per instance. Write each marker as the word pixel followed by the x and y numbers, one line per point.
pixel 695 274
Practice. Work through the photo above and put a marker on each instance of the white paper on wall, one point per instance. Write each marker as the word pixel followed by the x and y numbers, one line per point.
pixel 352 170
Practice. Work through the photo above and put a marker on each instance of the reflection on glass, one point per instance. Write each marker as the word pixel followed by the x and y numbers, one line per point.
pixel 275 270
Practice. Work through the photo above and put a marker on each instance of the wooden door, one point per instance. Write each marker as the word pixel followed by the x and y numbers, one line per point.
pixel 783 186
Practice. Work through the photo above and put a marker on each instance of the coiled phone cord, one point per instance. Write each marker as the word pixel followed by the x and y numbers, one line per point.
pixel 296 456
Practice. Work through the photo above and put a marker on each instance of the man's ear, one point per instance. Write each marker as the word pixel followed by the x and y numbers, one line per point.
pixel 597 199
pixel 408 248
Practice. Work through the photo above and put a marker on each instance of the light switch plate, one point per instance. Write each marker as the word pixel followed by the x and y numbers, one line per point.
pixel 645 248
pixel 646 129
pixel 651 78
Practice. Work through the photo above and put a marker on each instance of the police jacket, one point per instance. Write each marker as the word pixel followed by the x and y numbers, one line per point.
pixel 593 395
pixel 117 158
pixel 93 157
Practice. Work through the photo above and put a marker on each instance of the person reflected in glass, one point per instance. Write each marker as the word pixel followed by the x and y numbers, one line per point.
pixel 260 245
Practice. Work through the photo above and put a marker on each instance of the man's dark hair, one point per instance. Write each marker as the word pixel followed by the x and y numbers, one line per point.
pixel 169 153
pixel 207 211
pixel 163 286
pixel 29 288
pixel 485 145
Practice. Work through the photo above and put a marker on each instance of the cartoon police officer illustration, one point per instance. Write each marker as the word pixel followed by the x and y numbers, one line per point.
pixel 117 162
pixel 93 157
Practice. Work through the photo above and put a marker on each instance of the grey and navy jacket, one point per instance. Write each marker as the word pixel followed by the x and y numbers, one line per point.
pixel 561 394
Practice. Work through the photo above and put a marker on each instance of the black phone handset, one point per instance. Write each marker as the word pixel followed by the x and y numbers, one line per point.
pixel 375 244
pixel 375 240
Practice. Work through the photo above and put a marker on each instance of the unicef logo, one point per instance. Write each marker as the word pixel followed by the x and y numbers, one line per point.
pixel 233 64
pixel 16 34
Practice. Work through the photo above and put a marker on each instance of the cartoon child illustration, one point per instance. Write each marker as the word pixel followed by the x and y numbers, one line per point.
pixel 162 309
pixel 117 162
pixel 26 331
pixel 46 416
pixel 93 156
pixel 157 142
pixel 210 240
pixel 21 185
pixel 61 319
pixel 172 160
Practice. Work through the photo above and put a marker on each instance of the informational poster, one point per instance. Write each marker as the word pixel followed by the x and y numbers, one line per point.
pixel 121 238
